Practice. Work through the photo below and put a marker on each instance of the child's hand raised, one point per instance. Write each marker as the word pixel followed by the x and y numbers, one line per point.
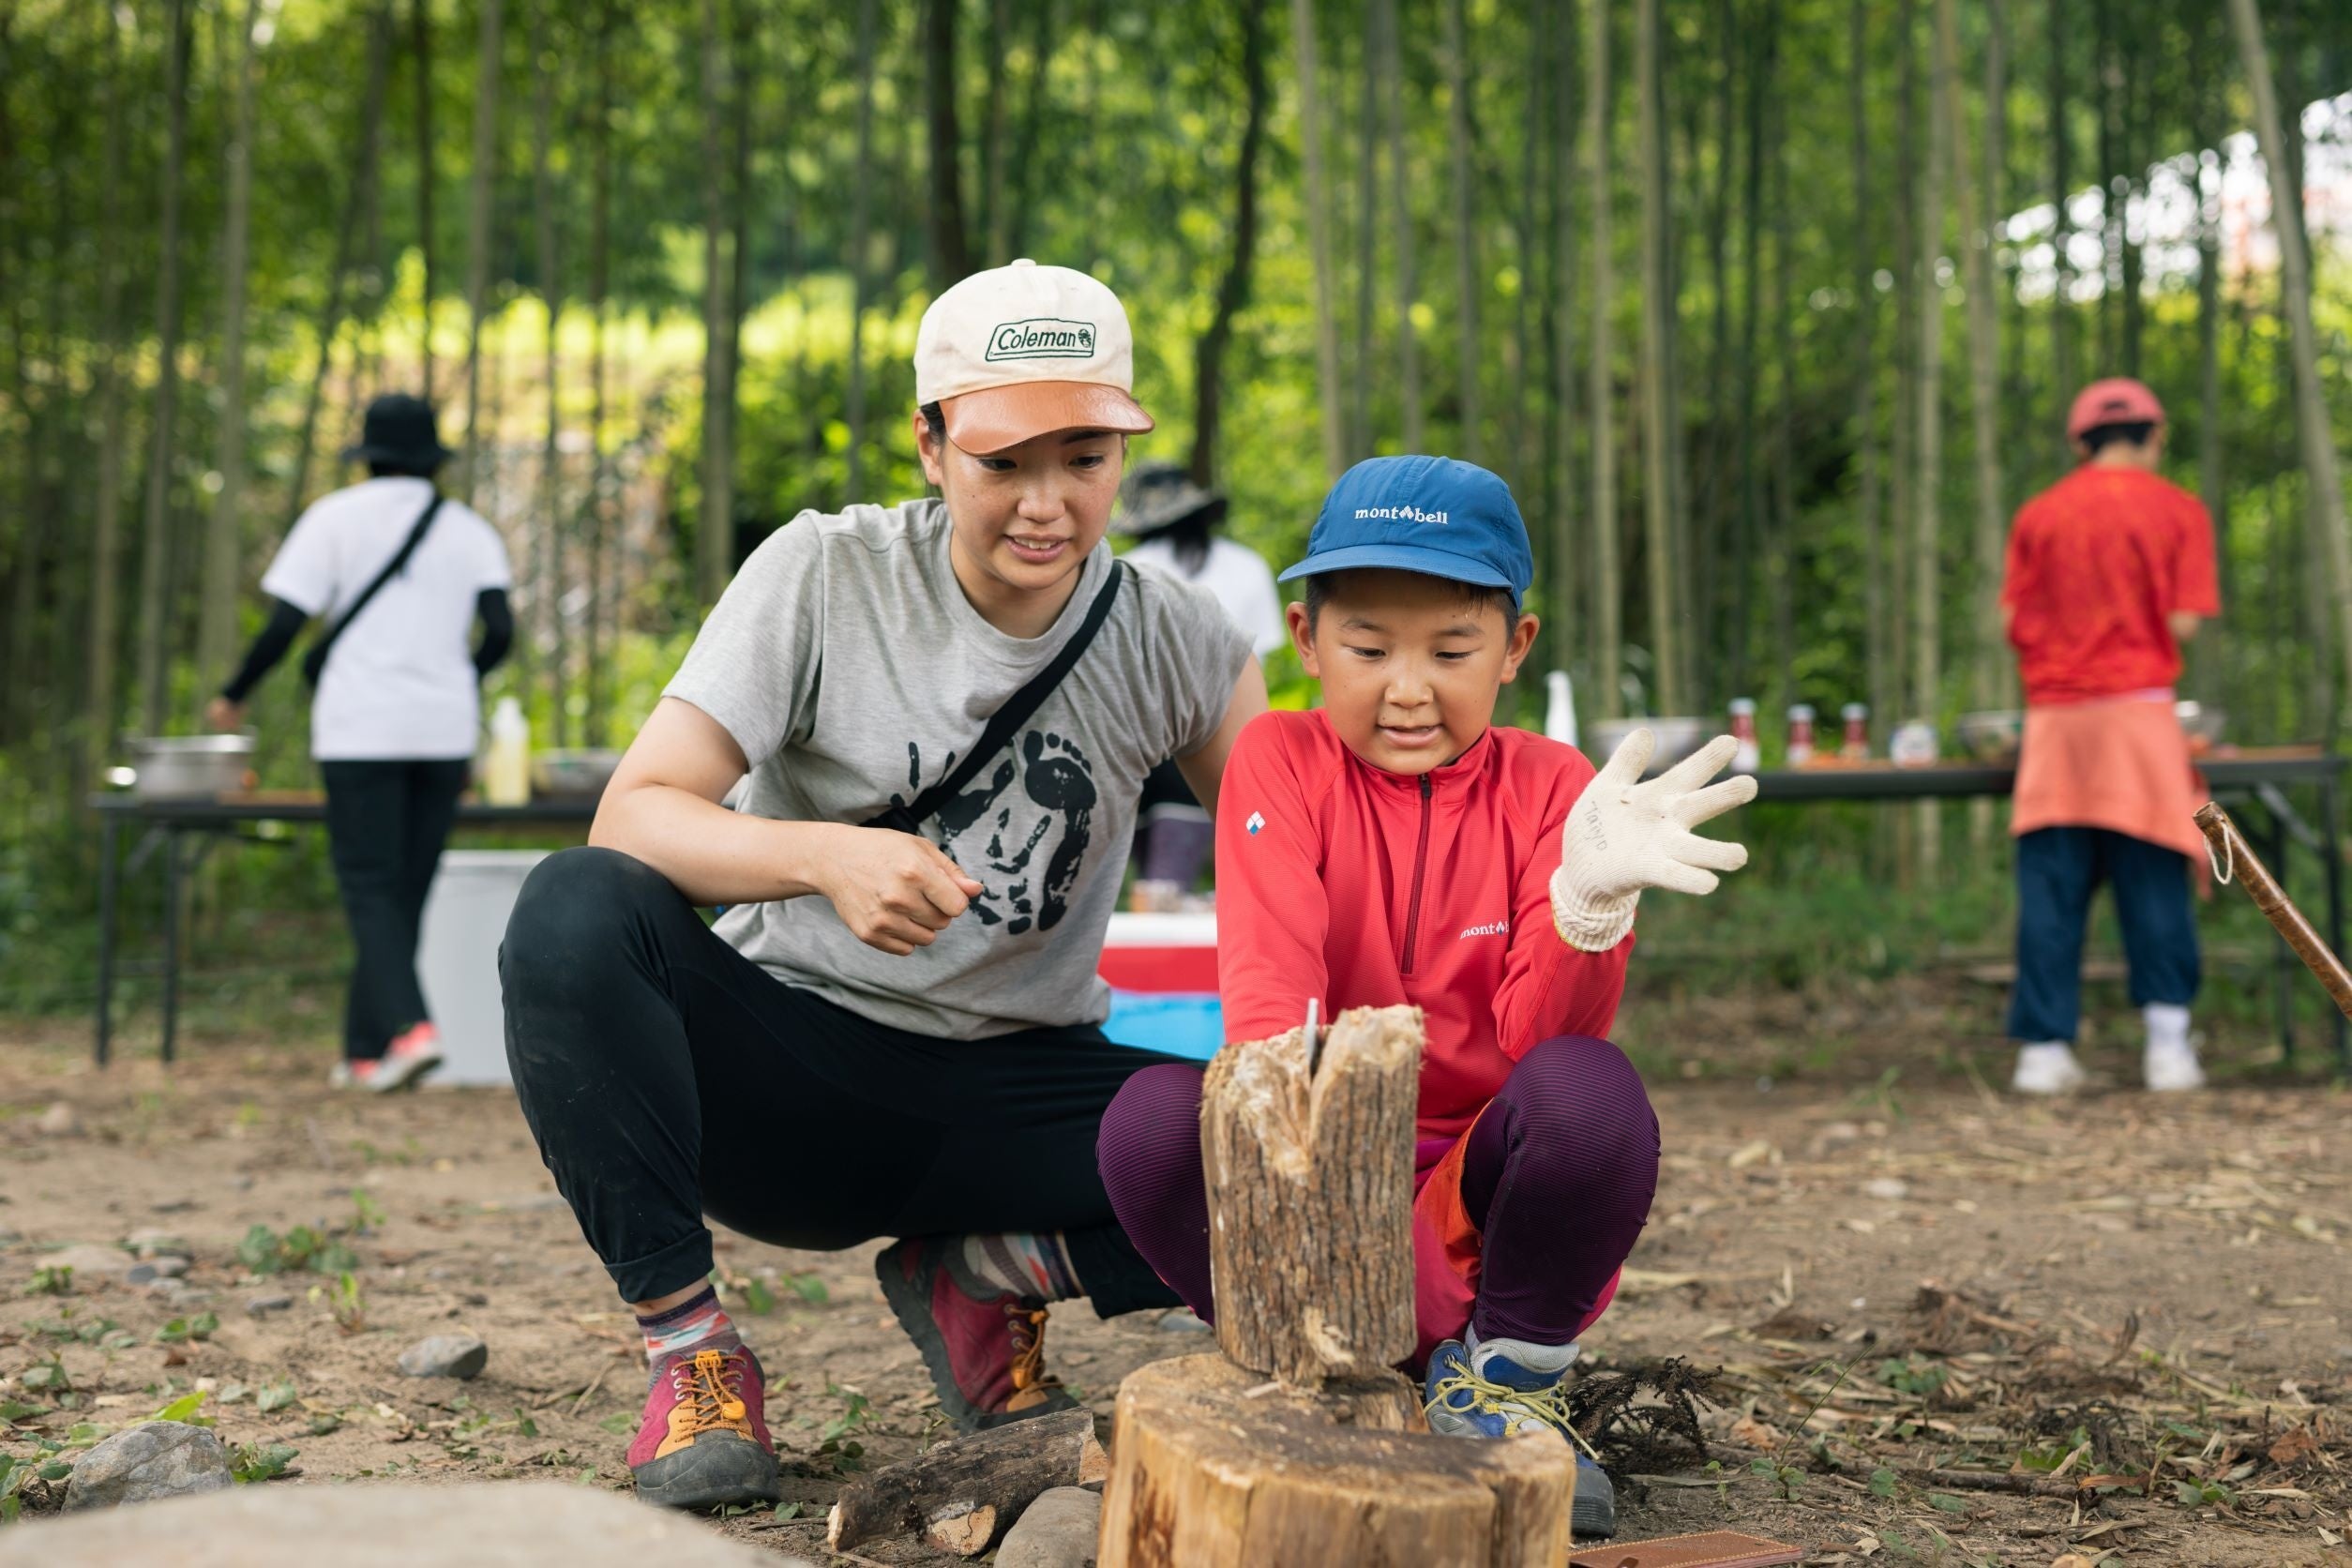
pixel 1624 834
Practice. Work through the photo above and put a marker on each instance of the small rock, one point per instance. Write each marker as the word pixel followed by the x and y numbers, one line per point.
pixel 1891 1189
pixel 151 1460
pixel 59 1120
pixel 474 1298
pixel 262 1306
pixel 446 1355
pixel 153 1269
pixel 172 1205
pixel 241 1183
pixel 1057 1531
pixel 1182 1321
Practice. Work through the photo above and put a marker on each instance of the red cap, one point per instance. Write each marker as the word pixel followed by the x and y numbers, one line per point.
pixel 2118 401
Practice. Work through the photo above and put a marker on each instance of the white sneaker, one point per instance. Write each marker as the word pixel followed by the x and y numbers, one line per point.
pixel 2047 1069
pixel 2170 1068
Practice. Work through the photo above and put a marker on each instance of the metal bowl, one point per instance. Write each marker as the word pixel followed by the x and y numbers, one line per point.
pixel 584 771
pixel 1676 738
pixel 2202 725
pixel 180 767
pixel 1994 736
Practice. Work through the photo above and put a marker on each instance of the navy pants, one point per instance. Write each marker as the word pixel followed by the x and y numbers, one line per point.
pixel 2058 868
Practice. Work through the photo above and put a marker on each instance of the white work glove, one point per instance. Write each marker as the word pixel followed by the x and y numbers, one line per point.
pixel 1623 835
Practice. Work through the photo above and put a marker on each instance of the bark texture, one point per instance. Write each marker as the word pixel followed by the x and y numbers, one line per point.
pixel 1310 1198
pixel 1211 1470
pixel 963 1495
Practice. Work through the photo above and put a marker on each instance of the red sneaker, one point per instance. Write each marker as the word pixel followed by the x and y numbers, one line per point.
pixel 704 1439
pixel 986 1348
pixel 410 1057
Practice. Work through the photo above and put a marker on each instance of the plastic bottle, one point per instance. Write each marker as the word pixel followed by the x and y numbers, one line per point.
pixel 1801 735
pixel 1747 757
pixel 507 772
pixel 1559 709
pixel 1857 746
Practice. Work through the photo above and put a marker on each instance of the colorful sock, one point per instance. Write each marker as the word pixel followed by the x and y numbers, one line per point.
pixel 1026 1263
pixel 694 1324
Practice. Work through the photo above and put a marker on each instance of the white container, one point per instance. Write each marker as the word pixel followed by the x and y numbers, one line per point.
pixel 457 960
pixel 506 770
pixel 1559 708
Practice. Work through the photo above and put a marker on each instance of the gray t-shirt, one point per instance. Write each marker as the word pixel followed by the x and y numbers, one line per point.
pixel 849 668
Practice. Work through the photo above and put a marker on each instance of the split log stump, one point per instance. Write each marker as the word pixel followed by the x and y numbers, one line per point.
pixel 1299 1445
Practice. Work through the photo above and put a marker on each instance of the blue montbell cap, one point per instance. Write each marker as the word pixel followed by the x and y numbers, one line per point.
pixel 1435 514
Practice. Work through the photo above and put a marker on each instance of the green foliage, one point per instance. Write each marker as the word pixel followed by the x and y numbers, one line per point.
pixel 1912 1376
pixel 185 1409
pixel 276 1396
pixel 261 1461
pixel 52 1279
pixel 265 1252
pixel 179 1330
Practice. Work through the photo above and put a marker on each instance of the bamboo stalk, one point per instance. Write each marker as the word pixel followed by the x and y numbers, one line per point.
pixel 2235 858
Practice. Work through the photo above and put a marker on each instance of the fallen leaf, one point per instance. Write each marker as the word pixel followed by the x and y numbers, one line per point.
pixel 2072 1559
pixel 2297 1444
pixel 1749 1154
pixel 1755 1433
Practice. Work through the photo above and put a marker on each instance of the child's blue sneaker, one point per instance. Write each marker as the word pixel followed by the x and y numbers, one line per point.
pixel 1503 1387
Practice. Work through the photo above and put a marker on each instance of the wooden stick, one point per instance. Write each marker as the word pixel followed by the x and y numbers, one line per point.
pixel 963 1495
pixel 2234 857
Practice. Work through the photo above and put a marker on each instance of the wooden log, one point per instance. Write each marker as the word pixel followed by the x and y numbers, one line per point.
pixel 963 1495
pixel 1310 1198
pixel 1210 1469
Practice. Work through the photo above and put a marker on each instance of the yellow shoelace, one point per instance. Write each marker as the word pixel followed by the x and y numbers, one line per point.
pixel 1029 1349
pixel 712 1387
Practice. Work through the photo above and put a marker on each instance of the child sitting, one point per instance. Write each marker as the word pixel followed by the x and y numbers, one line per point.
pixel 1392 846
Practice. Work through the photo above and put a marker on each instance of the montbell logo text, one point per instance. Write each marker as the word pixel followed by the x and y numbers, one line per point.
pixel 1042 337
pixel 1499 929
pixel 1402 514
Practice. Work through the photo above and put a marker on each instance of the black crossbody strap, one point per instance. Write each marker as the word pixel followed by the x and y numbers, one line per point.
pixel 1006 721
pixel 314 662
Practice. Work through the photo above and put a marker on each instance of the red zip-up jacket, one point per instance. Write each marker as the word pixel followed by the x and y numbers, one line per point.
pixel 1362 888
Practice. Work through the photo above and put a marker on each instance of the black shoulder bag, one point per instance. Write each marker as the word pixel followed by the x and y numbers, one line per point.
pixel 314 662
pixel 1007 719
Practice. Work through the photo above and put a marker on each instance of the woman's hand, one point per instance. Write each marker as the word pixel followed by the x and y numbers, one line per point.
pixel 224 715
pixel 894 891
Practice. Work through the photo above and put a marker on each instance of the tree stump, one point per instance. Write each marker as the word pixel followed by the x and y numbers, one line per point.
pixel 1215 1464
pixel 1310 1198
pixel 1210 1470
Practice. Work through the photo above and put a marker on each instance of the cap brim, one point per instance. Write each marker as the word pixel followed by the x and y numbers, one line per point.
pixel 988 422
pixel 1403 558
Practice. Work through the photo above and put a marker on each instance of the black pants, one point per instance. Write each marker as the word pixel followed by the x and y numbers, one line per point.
pixel 667 1076
pixel 385 825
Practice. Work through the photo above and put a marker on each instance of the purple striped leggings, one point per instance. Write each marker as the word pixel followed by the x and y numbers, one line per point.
pixel 1558 1178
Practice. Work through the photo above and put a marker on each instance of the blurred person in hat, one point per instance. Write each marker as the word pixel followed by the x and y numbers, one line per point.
pixel 401 574
pixel 913 916
pixel 2110 570
pixel 1175 524
pixel 1396 845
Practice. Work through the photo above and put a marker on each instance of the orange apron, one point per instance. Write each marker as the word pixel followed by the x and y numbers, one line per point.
pixel 2120 763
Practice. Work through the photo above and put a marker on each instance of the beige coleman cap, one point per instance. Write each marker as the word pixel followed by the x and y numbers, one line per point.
pixel 1017 350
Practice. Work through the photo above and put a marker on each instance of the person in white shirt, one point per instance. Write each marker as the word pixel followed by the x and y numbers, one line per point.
pixel 1173 522
pixel 399 574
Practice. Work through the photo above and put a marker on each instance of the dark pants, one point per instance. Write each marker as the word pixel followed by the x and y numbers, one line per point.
pixel 385 825
pixel 2058 868
pixel 667 1076
pixel 1558 1178
pixel 1174 836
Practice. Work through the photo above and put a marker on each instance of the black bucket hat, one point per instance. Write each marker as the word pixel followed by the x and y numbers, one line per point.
pixel 1157 494
pixel 400 430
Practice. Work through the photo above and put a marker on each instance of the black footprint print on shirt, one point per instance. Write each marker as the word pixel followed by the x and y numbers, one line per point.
pixel 1058 777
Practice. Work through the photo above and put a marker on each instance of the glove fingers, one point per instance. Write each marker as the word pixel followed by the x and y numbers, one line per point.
pixel 1676 877
pixel 1715 854
pixel 1705 805
pixel 1699 766
pixel 1630 761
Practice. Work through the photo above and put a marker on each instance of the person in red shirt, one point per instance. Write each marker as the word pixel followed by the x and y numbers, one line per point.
pixel 2110 570
pixel 1396 847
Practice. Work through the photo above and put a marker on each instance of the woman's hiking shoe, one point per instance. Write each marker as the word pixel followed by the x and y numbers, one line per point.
pixel 704 1439
pixel 411 1056
pixel 1488 1390
pixel 986 1348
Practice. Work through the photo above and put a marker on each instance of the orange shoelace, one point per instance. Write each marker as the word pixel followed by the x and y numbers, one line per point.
pixel 1027 1326
pixel 711 1386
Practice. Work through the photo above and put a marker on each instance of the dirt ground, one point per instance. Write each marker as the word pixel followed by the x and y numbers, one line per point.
pixel 1915 1291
